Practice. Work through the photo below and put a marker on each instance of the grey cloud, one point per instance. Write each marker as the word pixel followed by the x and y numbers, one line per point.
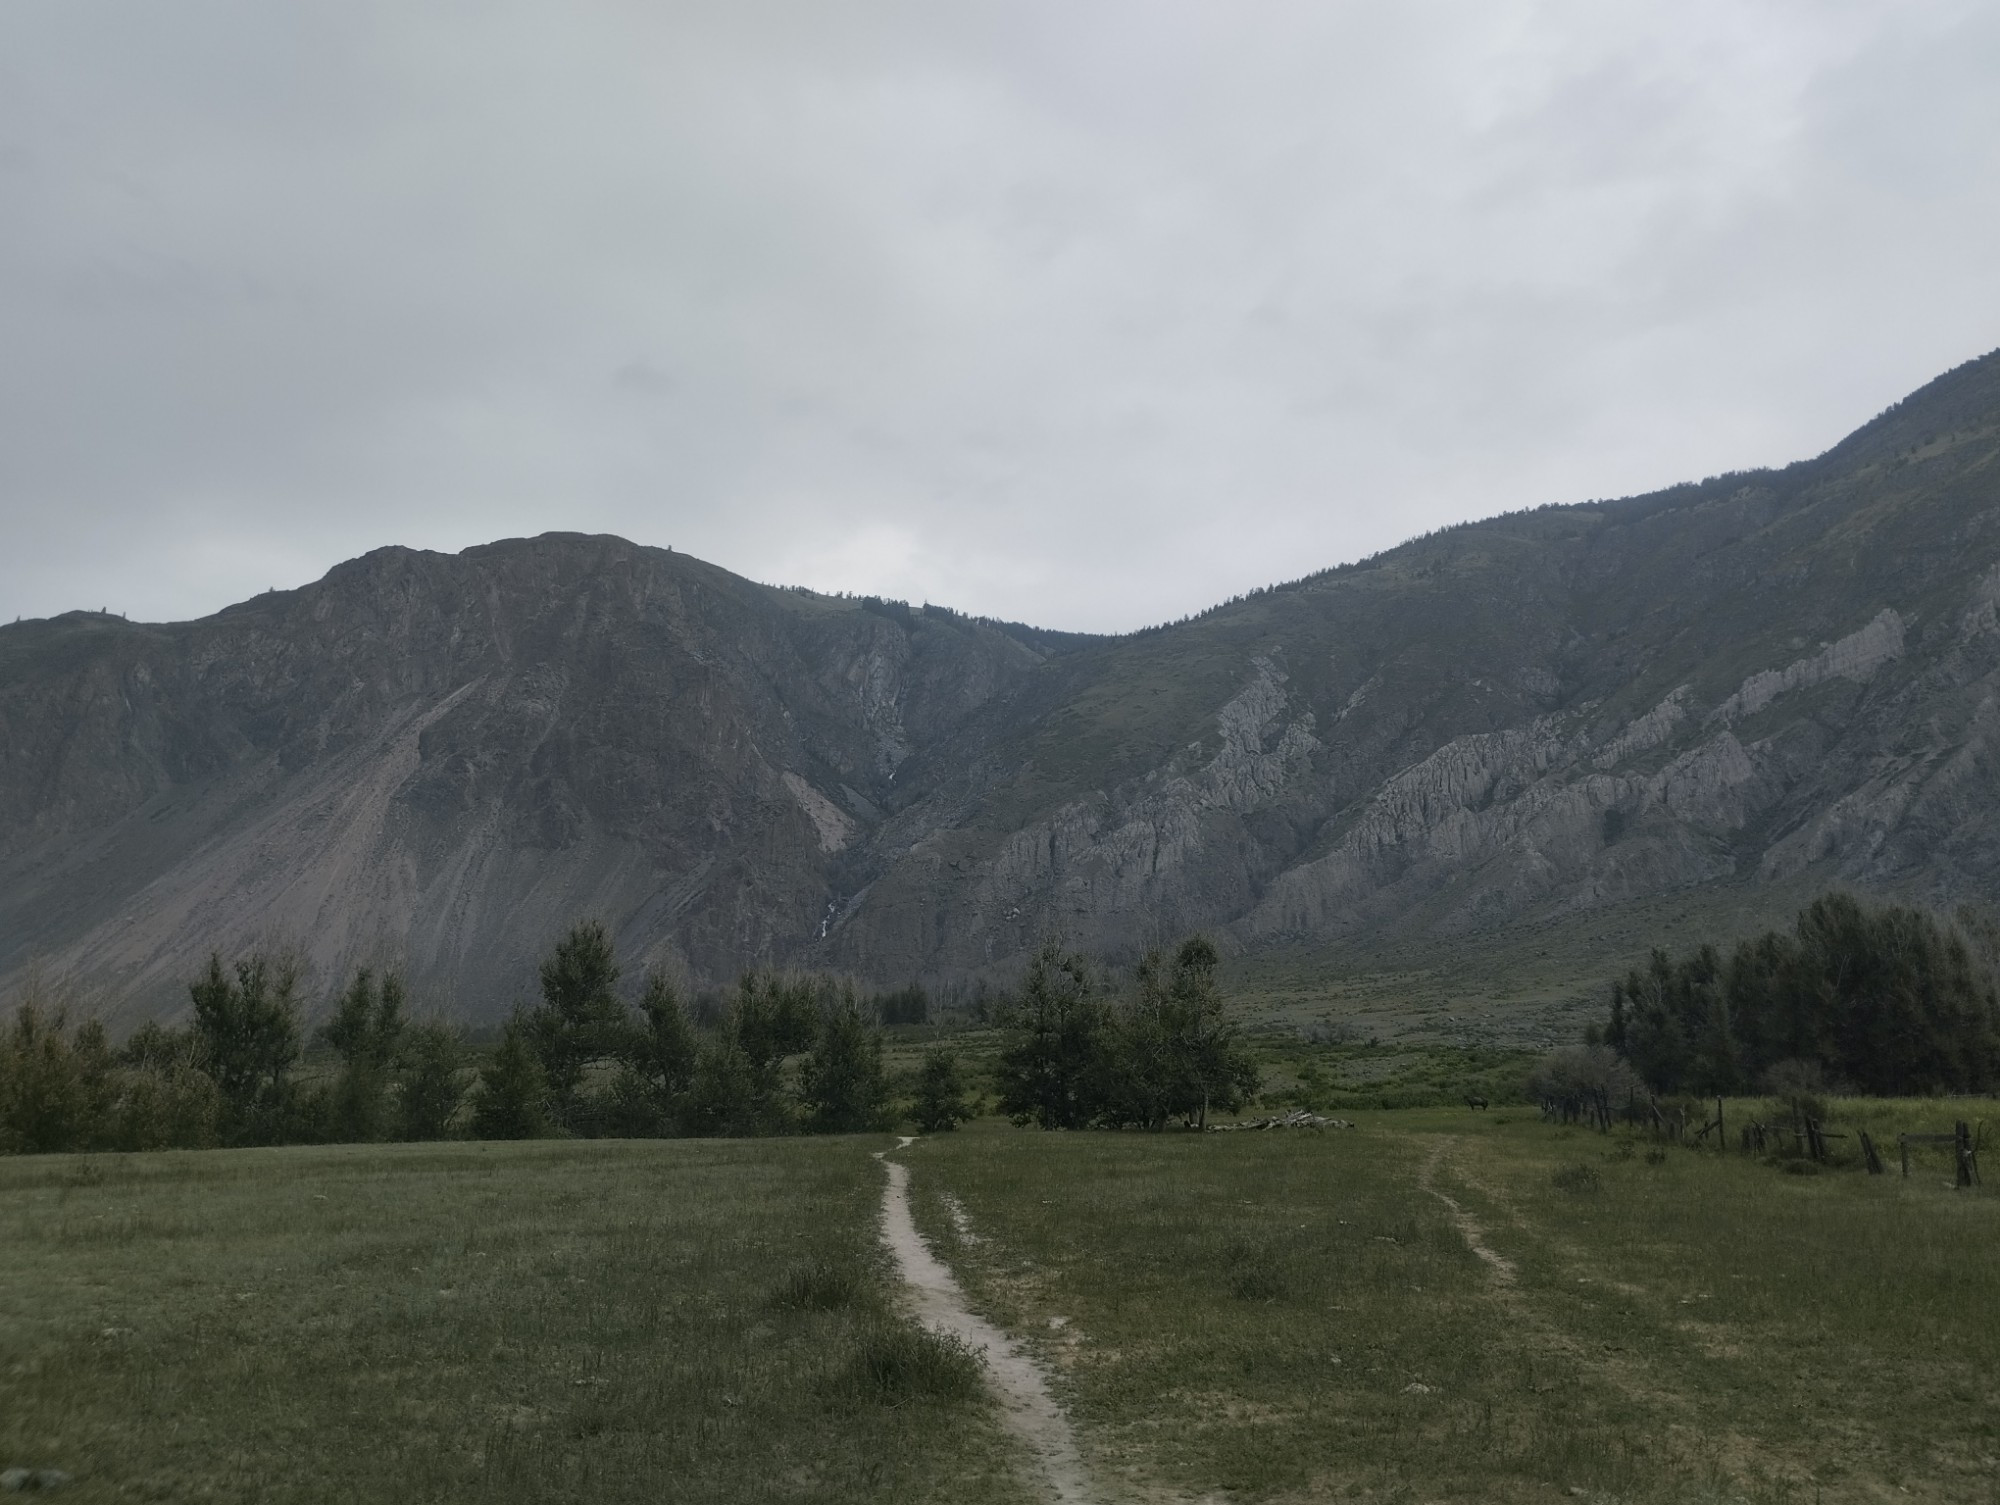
pixel 1087 315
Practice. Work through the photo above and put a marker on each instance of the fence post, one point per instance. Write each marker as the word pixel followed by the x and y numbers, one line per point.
pixel 1968 1171
pixel 1868 1154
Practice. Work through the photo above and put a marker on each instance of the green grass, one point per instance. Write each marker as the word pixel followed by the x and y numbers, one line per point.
pixel 678 1321
pixel 1233 1317
pixel 1294 1316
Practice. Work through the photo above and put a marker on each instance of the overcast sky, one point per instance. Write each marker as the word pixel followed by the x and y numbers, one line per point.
pixel 1082 312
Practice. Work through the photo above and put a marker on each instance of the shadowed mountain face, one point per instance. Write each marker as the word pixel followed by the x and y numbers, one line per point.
pixel 447 759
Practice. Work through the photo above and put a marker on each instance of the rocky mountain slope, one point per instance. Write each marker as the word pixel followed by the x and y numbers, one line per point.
pixel 445 759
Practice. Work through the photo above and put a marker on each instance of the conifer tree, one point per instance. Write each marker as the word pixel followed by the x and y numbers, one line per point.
pixel 366 1026
pixel 430 1094
pixel 513 1094
pixel 940 1102
pixel 247 1021
pixel 581 1019
pixel 842 1084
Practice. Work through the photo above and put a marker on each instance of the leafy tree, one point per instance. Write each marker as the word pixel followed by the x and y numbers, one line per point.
pixel 56 1091
pixel 775 1016
pixel 513 1094
pixel 366 1027
pixel 247 1022
pixel 940 1104
pixel 581 1019
pixel 431 1056
pixel 1052 1070
pixel 1583 1073
pixel 842 1084
pixel 740 1083
pixel 166 1100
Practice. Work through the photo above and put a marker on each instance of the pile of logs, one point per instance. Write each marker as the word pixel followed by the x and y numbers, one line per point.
pixel 1298 1118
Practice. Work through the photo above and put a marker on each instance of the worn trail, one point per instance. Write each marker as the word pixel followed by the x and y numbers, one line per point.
pixel 1469 1227
pixel 1030 1410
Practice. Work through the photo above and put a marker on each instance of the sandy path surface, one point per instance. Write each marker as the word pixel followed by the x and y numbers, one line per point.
pixel 1031 1412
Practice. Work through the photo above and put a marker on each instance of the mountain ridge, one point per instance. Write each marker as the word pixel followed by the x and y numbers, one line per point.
pixel 1753 679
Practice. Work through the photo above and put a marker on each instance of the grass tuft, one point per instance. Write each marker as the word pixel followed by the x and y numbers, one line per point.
pixel 1256 1283
pixel 822 1286
pixel 897 1362
pixel 1577 1179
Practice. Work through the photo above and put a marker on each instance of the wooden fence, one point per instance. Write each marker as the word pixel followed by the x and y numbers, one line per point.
pixel 1811 1137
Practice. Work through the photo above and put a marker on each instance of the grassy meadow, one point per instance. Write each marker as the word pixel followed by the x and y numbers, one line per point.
pixel 602 1321
pixel 1434 1306
pixel 1284 1316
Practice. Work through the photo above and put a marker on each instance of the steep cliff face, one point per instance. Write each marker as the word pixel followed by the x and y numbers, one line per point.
pixel 448 758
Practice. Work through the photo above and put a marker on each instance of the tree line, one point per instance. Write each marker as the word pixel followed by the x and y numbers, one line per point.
pixel 789 1053
pixel 786 1053
pixel 1889 1001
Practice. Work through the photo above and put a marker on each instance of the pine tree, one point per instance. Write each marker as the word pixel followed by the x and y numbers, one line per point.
pixel 1053 1070
pixel 430 1093
pixel 581 1019
pixel 366 1026
pixel 649 1097
pixel 513 1094
pixel 940 1103
pixel 842 1084
pixel 247 1021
